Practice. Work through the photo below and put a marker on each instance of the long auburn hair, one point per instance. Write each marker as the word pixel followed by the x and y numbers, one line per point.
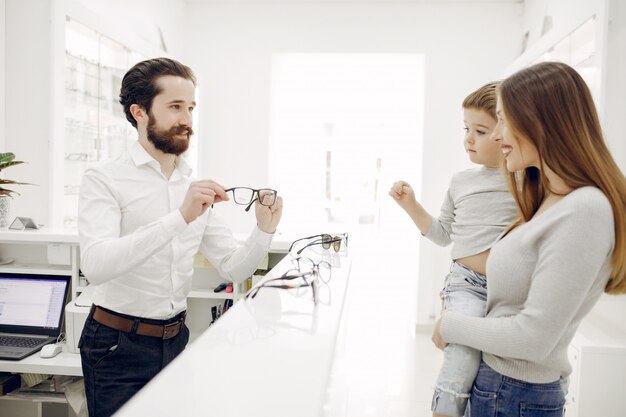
pixel 550 105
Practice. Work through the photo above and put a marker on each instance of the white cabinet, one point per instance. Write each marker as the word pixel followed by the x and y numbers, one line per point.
pixel 46 251
pixel 598 381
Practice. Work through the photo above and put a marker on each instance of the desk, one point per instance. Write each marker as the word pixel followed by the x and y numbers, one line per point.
pixel 269 356
pixel 65 363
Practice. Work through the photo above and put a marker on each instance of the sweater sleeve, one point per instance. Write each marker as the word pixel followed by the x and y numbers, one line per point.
pixel 441 229
pixel 571 255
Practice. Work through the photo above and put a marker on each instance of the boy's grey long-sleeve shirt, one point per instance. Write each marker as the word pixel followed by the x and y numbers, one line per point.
pixel 544 277
pixel 476 210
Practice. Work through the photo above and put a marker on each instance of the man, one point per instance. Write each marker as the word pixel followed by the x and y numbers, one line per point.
pixel 141 221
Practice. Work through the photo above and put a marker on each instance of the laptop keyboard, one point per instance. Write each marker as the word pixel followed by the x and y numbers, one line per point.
pixel 14 341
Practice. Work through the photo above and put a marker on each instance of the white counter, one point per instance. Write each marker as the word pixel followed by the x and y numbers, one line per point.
pixel 268 356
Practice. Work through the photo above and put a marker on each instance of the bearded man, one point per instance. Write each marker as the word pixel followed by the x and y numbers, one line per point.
pixel 142 218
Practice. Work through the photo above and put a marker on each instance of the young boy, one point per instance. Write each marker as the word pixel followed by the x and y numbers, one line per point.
pixel 477 208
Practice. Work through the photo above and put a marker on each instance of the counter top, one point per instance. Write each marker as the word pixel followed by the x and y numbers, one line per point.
pixel 267 356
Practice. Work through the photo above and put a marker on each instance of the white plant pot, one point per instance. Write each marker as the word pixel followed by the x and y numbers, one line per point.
pixel 5 206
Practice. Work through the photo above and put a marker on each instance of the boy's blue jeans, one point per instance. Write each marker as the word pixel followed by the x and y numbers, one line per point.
pixel 465 291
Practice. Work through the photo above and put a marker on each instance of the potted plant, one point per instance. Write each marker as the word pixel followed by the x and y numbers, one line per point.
pixel 7 159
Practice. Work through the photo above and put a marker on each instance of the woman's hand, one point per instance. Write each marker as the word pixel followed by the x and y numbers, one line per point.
pixel 436 338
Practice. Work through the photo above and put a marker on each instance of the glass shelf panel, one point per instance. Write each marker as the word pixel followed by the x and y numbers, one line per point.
pixel 95 127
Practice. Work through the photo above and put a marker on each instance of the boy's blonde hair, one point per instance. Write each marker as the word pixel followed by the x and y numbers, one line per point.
pixel 483 99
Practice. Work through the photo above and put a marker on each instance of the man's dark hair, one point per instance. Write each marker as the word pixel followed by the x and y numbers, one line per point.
pixel 139 85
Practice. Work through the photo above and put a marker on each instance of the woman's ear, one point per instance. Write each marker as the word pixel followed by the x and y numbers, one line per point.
pixel 139 113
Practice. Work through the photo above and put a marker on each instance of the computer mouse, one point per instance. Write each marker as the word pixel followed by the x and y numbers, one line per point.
pixel 51 350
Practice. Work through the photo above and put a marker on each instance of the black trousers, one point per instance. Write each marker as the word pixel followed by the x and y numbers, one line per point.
pixel 116 365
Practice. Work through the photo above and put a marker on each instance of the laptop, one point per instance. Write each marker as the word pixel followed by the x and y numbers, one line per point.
pixel 31 312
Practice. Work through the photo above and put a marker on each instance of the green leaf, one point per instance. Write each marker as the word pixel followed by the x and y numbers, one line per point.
pixel 7 164
pixel 6 157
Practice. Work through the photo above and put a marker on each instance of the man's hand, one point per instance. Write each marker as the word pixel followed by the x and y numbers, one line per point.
pixel 403 194
pixel 267 217
pixel 436 338
pixel 200 196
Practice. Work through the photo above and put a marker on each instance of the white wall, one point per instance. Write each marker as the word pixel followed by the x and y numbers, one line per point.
pixel 2 69
pixel 615 93
pixel 612 308
pixel 464 46
pixel 28 96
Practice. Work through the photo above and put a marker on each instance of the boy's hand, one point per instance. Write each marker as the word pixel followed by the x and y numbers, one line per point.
pixel 403 194
pixel 200 196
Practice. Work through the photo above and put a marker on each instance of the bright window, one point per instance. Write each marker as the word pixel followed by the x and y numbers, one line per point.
pixel 343 128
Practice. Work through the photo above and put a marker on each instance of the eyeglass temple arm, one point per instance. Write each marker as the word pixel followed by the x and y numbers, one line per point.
pixel 251 203
pixel 302 238
pixel 318 242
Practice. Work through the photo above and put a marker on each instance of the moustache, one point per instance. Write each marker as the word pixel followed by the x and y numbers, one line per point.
pixel 179 130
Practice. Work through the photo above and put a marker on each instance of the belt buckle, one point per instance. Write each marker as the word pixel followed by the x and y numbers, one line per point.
pixel 166 331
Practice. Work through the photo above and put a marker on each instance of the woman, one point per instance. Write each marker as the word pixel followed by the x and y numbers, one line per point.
pixel 567 246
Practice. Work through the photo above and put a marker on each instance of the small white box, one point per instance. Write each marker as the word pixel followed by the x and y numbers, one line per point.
pixel 76 312
pixel 59 254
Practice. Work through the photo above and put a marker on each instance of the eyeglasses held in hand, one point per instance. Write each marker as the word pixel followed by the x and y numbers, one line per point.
pixel 290 275
pixel 325 240
pixel 246 196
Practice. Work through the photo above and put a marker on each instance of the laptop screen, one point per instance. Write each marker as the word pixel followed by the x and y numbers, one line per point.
pixel 32 303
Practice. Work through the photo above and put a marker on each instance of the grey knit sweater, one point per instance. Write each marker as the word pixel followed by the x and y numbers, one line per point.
pixel 476 210
pixel 544 277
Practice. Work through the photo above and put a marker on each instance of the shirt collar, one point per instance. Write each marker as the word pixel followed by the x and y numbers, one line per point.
pixel 140 157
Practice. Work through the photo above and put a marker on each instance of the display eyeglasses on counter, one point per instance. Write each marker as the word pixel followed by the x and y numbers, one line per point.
pixel 308 272
pixel 325 240
pixel 292 279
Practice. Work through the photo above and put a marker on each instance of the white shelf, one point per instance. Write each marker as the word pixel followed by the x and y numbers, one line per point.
pixel 34 396
pixel 65 363
pixel 208 293
pixel 32 268
pixel 43 235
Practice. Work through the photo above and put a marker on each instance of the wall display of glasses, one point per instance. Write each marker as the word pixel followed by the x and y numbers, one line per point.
pixel 578 49
pixel 95 127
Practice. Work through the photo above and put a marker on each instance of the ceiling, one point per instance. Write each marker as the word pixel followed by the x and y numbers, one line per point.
pixel 352 1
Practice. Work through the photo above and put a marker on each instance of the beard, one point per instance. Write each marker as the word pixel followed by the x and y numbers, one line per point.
pixel 164 140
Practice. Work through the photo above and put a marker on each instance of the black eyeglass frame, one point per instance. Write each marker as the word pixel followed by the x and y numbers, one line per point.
pixel 326 240
pixel 287 276
pixel 256 192
pixel 315 266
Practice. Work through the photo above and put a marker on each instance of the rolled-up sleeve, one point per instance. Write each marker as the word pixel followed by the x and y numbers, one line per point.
pixel 233 261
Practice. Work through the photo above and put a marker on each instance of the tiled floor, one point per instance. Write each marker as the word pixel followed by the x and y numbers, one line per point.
pixel 381 368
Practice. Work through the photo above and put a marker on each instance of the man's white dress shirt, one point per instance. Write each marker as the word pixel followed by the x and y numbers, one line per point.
pixel 135 246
